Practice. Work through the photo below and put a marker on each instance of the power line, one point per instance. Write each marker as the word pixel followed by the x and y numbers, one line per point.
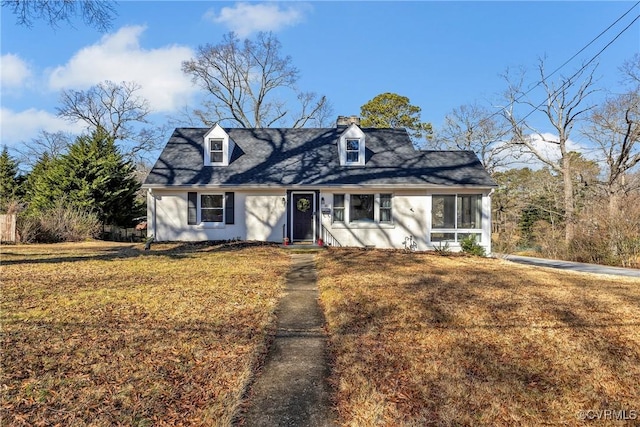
pixel 586 46
pixel 568 81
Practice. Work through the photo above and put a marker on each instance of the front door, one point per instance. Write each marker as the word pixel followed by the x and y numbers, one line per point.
pixel 303 209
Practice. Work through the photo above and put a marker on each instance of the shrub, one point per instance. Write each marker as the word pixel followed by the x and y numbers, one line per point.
pixel 62 223
pixel 470 246
pixel 442 249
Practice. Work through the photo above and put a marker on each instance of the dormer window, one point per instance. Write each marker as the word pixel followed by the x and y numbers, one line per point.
pixel 216 154
pixel 351 147
pixel 217 147
pixel 353 150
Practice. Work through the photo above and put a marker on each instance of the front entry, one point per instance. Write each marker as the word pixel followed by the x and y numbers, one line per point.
pixel 303 207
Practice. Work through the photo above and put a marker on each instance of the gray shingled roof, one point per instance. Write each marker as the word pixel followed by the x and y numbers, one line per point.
pixel 309 157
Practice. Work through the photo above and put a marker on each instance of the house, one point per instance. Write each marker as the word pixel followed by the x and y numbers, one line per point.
pixel 347 185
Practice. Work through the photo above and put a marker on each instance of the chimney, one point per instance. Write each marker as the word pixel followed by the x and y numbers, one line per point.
pixel 344 121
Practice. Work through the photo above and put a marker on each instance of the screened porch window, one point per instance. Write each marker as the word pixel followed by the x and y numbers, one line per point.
pixel 454 217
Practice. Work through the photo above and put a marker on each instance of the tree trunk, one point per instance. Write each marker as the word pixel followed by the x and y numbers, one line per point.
pixel 569 213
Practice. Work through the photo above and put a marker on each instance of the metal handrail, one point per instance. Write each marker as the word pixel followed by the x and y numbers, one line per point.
pixel 328 238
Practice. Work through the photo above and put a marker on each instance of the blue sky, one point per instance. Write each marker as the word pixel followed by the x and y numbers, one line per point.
pixel 439 54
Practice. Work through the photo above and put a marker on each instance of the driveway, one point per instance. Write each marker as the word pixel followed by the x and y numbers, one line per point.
pixel 572 266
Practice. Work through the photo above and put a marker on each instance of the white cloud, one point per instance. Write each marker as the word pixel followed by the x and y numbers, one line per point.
pixel 521 157
pixel 17 127
pixel 14 72
pixel 119 57
pixel 552 151
pixel 245 18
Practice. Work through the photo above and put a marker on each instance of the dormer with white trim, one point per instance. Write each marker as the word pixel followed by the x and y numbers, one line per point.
pixel 351 146
pixel 218 147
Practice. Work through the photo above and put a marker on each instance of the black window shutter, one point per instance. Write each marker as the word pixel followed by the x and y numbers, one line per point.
pixel 229 208
pixel 192 209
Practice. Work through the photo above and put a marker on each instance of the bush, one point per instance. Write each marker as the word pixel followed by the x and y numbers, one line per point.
pixel 549 239
pixel 470 246
pixel 62 223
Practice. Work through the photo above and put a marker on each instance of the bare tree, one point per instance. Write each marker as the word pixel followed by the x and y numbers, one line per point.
pixel 118 110
pixel 614 127
pixel 245 81
pixel 52 144
pixel 564 105
pixel 473 127
pixel 631 71
pixel 96 13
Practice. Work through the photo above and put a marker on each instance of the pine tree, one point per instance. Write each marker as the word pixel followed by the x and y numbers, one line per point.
pixel 9 181
pixel 92 176
pixel 38 195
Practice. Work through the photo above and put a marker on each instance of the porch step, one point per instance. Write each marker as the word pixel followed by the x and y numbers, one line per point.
pixel 304 247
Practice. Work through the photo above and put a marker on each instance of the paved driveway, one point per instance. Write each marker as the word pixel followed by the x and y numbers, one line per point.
pixel 574 266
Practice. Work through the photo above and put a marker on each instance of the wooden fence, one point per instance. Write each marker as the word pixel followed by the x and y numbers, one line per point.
pixel 8 228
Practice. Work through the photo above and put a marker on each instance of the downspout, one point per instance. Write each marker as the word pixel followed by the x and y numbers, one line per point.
pixel 154 232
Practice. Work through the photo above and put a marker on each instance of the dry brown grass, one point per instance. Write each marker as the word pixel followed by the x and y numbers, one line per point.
pixel 106 334
pixel 420 339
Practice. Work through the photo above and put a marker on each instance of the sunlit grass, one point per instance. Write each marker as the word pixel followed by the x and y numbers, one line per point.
pixel 105 334
pixel 420 339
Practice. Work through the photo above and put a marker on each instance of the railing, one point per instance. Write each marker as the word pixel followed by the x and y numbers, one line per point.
pixel 328 238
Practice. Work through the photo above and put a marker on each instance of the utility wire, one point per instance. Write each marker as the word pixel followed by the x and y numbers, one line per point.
pixel 568 81
pixel 583 49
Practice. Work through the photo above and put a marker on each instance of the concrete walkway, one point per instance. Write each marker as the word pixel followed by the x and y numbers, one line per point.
pixel 292 389
pixel 572 266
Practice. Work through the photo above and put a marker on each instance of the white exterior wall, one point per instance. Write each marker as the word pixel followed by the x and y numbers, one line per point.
pixel 261 215
pixel 408 210
pixel 411 213
pixel 258 216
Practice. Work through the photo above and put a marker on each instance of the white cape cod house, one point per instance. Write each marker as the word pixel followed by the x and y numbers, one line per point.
pixel 346 186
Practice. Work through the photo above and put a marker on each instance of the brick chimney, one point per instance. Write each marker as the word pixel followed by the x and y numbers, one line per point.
pixel 347 121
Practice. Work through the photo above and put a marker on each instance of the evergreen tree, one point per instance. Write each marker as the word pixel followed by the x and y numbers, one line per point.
pixel 37 192
pixel 390 110
pixel 9 181
pixel 92 176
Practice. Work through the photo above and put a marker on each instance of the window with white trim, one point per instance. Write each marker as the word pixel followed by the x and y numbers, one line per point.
pixel 216 153
pixel 338 208
pixel 353 150
pixel 351 147
pixel 455 217
pixel 212 208
pixel 362 208
pixel 385 208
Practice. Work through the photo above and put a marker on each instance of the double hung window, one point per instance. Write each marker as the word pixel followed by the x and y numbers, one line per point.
pixel 215 150
pixel 211 207
pixel 338 208
pixel 353 150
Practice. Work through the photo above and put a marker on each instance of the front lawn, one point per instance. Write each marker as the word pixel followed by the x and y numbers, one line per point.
pixel 107 334
pixel 421 339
